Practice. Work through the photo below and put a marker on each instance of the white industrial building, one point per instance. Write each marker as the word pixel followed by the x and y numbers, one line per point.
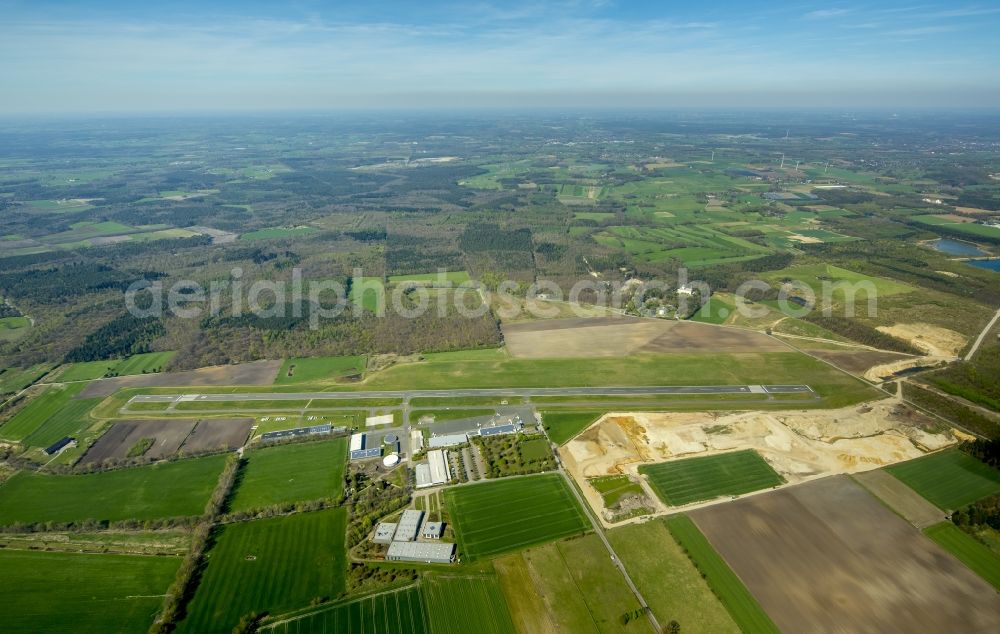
pixel 408 526
pixel 384 533
pixel 429 553
pixel 435 471
pixel 447 440
pixel 357 442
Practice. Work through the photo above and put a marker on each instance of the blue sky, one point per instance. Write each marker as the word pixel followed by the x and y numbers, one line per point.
pixel 204 56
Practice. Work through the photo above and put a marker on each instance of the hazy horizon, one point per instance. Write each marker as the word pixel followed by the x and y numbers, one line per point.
pixel 113 57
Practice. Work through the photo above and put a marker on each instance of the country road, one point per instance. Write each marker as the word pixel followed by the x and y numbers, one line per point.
pixel 982 335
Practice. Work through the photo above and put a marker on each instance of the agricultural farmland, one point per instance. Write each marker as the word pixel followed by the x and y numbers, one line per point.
pixel 175 489
pixel 779 545
pixel 459 604
pixel 688 480
pixel 292 473
pixel 970 551
pixel 84 586
pixel 569 586
pixel 399 611
pixel 496 517
pixel 270 565
pixel 949 479
pixel 41 408
pixel 670 582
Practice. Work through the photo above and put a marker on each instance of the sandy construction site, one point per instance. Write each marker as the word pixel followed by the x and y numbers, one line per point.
pixel 799 444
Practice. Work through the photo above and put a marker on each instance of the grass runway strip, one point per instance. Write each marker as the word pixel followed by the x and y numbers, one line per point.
pixel 744 609
pixel 688 480
pixel 497 517
pixel 948 479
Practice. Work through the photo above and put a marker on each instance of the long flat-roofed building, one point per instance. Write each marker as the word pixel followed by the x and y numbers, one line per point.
pixel 408 526
pixel 425 552
pixel 447 440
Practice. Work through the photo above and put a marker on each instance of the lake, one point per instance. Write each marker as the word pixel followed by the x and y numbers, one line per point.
pixel 992 264
pixel 955 247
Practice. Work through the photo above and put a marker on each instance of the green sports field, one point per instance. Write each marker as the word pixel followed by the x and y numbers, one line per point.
pixel 466 603
pixel 70 592
pixel 292 473
pixel 742 607
pixel 273 565
pixel 174 489
pixel 399 611
pixel 497 517
pixel 948 479
pixel 977 556
pixel 680 482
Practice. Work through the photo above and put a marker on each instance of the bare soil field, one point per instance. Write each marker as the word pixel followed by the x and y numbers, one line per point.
pixel 624 336
pixel 117 441
pixel 901 498
pixel 858 362
pixel 932 340
pixel 255 373
pixel 800 445
pixel 216 433
pixel 827 556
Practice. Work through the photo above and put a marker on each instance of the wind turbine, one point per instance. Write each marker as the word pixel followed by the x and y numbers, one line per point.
pixel 713 157
pixel 782 166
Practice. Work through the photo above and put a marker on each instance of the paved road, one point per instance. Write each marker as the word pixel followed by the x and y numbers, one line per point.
pixel 982 335
pixel 458 393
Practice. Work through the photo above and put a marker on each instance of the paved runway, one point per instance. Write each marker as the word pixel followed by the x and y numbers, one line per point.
pixel 458 393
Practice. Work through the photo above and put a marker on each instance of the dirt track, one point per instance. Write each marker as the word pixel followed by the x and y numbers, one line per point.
pixel 624 336
pixel 255 373
pixel 828 557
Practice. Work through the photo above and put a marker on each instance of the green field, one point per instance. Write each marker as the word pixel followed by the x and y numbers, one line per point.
pixel 292 473
pixel 613 487
pixel 453 277
pixel 669 582
pixel 742 607
pixel 569 586
pixel 367 292
pixel 306 369
pixel 16 379
pixel 687 480
pixel 561 426
pixel 278 232
pixel 136 364
pixel 459 604
pixel 39 409
pixel 978 557
pixel 173 489
pixel 71 420
pixel 398 611
pixel 271 565
pixel 70 592
pixel 715 311
pixel 948 479
pixel 496 517
pixel 12 328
